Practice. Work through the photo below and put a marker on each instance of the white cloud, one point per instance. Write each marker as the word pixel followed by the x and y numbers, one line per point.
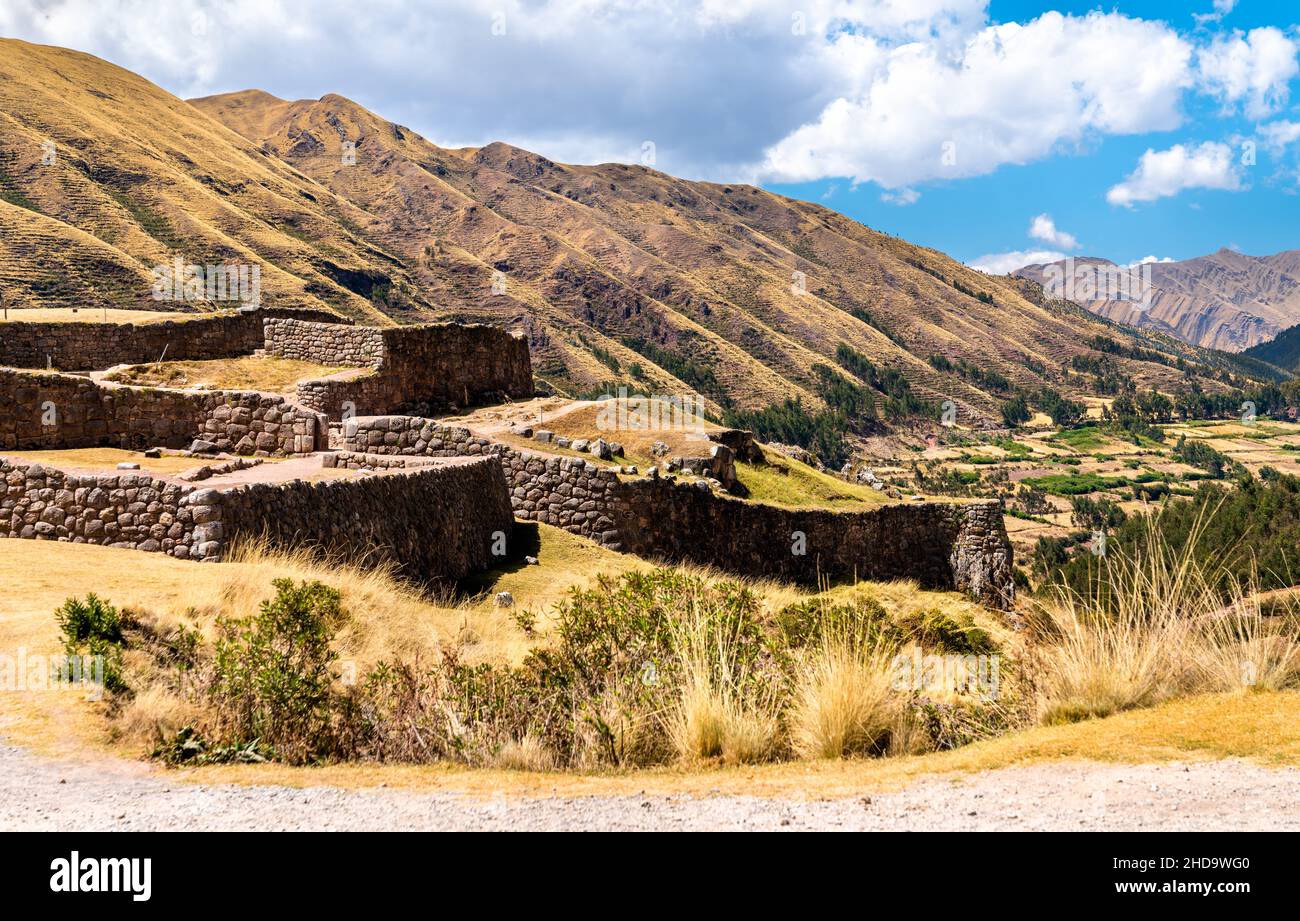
pixel 893 91
pixel 902 197
pixel 1221 8
pixel 1160 174
pixel 1151 259
pixel 1006 263
pixel 1044 228
pixel 1253 68
pixel 1279 135
pixel 1011 94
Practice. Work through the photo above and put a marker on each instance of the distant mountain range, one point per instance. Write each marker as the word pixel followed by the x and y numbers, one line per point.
pixel 1226 300
pixel 617 273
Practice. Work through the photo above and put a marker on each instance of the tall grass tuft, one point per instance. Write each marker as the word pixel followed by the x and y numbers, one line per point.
pixel 843 702
pixel 1155 626
pixel 728 706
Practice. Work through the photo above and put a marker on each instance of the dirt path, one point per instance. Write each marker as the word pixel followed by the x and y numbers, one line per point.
pixel 40 794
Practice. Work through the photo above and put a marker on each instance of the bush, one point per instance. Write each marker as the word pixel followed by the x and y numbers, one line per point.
pixel 271 675
pixel 94 627
pixel 1096 514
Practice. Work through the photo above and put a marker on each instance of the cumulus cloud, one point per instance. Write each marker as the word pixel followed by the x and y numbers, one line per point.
pixel 1006 263
pixel 1279 135
pixel 1044 228
pixel 1012 94
pixel 1252 68
pixel 1160 174
pixel 893 91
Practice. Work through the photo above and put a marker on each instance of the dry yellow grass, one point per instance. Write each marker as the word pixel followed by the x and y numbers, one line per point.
pixel 1160 631
pixel 720 713
pixel 1259 726
pixel 103 460
pixel 844 702
pixel 91 315
pixel 39 575
pixel 269 374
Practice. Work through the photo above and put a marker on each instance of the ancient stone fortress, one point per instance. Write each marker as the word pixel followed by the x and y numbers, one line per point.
pixel 438 500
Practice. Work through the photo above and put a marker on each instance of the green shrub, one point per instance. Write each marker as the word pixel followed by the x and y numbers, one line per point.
pixel 94 627
pixel 808 622
pixel 271 673
pixel 934 629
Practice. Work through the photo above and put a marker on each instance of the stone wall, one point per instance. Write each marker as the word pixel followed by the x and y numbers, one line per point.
pixel 96 346
pixel 940 544
pixel 354 347
pixel 415 368
pixel 41 410
pixel 436 523
pixel 132 511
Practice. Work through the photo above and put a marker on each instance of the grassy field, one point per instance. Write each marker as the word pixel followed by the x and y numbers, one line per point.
pixel 105 460
pixel 1257 726
pixel 1093 461
pixel 71 315
pixel 269 375
pixel 40 575
pixel 395 621
pixel 788 482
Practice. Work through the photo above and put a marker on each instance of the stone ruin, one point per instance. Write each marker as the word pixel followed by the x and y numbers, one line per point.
pixel 439 501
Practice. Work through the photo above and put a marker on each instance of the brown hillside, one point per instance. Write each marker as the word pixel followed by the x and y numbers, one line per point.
pixel 618 273
pixel 1226 300
pixel 140 177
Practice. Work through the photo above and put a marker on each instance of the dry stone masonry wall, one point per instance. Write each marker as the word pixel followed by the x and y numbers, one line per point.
pixel 132 511
pixel 40 410
pixel 97 346
pixel 414 368
pixel 353 347
pixel 940 544
pixel 436 523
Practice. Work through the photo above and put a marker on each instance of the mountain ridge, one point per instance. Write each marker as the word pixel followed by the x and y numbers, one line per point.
pixel 1225 299
pixel 617 273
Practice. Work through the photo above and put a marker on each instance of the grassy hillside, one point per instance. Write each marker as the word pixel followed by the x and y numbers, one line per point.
pixel 633 276
pixel 139 177
pixel 619 274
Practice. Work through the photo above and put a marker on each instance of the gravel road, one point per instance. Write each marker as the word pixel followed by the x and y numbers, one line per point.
pixel 40 794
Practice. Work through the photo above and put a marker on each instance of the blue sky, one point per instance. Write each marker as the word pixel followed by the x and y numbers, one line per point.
pixel 972 217
pixel 999 132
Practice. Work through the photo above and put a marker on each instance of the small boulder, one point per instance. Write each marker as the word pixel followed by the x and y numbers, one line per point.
pixel 505 600
pixel 128 465
pixel 203 447
pixel 581 444
pixel 153 453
